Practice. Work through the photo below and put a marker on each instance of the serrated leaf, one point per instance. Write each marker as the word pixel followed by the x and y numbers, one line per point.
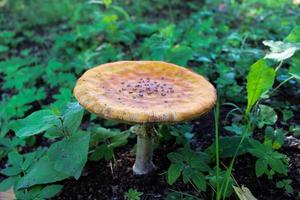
pixel 260 167
pixel 70 155
pixel 199 180
pixel 174 172
pixel 260 79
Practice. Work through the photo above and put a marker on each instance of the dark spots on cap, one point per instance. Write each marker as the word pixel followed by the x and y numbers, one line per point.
pixel 145 87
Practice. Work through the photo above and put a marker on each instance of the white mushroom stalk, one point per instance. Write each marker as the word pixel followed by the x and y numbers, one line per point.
pixel 144 149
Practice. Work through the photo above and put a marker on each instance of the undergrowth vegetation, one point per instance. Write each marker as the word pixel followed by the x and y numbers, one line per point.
pixel 250 50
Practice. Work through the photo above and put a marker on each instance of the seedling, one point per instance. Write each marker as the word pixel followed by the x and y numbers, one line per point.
pixel 146 93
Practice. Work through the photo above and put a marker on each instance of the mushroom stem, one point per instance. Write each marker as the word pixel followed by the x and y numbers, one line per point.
pixel 144 150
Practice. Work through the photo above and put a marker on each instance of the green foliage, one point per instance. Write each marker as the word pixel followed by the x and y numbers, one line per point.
pixel 190 164
pixel 267 116
pixel 133 194
pixel 259 80
pixel 269 161
pixel 286 185
pixel 39 193
pixel 105 142
pixel 64 122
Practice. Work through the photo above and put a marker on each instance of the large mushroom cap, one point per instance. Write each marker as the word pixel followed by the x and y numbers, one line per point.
pixel 144 91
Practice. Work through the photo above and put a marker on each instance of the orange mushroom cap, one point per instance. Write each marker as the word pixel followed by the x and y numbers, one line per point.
pixel 144 91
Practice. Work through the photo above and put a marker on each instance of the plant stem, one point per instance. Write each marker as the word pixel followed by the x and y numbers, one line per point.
pixel 144 149
pixel 216 116
pixel 278 86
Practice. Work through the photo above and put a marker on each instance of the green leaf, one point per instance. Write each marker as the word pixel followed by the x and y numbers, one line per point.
pixel 175 157
pixel 35 123
pixel 294 36
pixel 180 55
pixel 8 183
pixel 277 165
pixel 228 146
pixel 259 80
pixel 70 155
pixel 3 48
pixel 199 180
pixel 174 172
pixel 187 174
pixel 14 158
pixel 287 114
pixel 295 67
pixel 42 172
pixel 11 171
pixel 72 117
pixel 50 191
pixel 280 50
pixel 99 152
pixel 260 167
pixel 266 116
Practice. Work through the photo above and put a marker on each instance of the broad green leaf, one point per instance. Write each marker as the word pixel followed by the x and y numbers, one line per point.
pixel 174 172
pixel 175 157
pixel 99 152
pixel 180 55
pixel 199 180
pixel 277 165
pixel 50 191
pixel 228 146
pixel 8 183
pixel 295 67
pixel 266 116
pixel 41 173
pixel 14 158
pixel 260 79
pixel 187 173
pixel 281 50
pixel 260 167
pixel 294 36
pixel 72 117
pixel 70 155
pixel 35 123
pixel 287 114
pixel 11 171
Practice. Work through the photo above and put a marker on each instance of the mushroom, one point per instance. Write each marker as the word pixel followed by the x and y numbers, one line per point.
pixel 145 93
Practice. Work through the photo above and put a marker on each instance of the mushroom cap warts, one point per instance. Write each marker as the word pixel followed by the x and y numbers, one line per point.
pixel 144 91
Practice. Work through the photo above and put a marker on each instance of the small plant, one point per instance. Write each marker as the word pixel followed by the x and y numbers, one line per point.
pixel 286 185
pixel 133 194
pixel 269 161
pixel 191 165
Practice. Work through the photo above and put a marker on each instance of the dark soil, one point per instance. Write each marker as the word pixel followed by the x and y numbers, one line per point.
pixel 104 180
